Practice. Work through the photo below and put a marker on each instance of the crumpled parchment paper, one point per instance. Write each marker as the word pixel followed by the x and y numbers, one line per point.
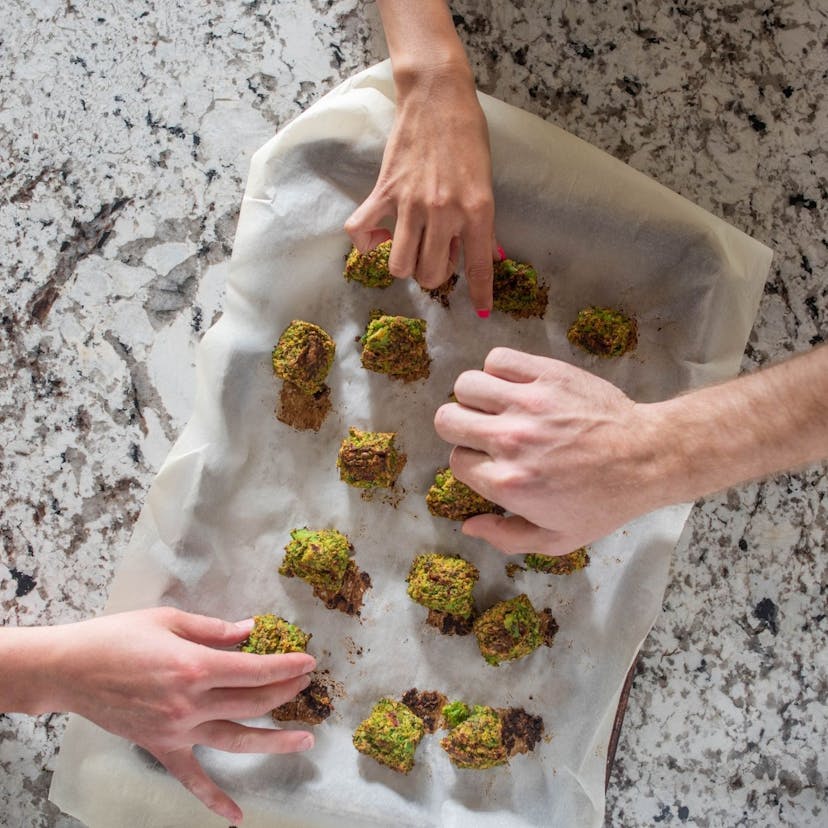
pixel 212 531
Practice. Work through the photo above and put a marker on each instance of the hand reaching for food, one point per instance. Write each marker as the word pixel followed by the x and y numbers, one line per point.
pixel 163 679
pixel 436 177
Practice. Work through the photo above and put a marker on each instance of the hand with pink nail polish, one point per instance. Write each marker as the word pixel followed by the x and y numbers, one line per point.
pixel 161 678
pixel 436 176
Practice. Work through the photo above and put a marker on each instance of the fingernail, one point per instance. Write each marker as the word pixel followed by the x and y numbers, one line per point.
pixel 483 313
pixel 246 625
pixel 501 252
pixel 306 743
pixel 233 814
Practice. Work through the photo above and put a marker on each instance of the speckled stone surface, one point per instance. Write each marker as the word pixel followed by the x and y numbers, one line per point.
pixel 125 134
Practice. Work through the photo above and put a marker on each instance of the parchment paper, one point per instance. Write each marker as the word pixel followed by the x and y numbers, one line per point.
pixel 211 534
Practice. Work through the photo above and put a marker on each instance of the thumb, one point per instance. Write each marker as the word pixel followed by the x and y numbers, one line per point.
pixel 514 535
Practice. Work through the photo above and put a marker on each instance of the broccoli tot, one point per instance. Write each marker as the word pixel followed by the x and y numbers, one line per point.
pixel 371 268
pixel 558 564
pixel 390 735
pixel 271 634
pixel 517 290
pixel 319 557
pixel 396 346
pixel 604 332
pixel 449 498
pixel 455 713
pixel 477 741
pixel 512 629
pixel 443 583
pixel 303 356
pixel 484 737
pixel 370 459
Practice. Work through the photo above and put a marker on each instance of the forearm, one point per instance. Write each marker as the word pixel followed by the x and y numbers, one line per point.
pixel 747 428
pixel 421 37
pixel 28 667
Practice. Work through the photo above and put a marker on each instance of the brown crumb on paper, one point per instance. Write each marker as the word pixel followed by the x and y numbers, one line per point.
pixel 428 705
pixel 311 706
pixel 348 598
pixel 449 624
pixel 441 294
pixel 512 569
pixel 521 730
pixel 304 412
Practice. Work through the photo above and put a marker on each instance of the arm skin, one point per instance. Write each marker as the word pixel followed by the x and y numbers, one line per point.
pixel 573 458
pixel 158 678
pixel 436 176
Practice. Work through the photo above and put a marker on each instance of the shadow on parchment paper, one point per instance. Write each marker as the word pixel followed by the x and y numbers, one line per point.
pixel 413 786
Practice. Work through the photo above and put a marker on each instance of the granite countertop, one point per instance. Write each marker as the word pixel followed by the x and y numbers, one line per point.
pixel 126 131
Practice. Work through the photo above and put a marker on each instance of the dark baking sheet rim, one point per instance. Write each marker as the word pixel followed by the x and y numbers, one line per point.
pixel 619 721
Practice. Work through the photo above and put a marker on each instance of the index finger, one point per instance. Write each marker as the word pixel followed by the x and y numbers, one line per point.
pixel 233 669
pixel 516 366
pixel 477 252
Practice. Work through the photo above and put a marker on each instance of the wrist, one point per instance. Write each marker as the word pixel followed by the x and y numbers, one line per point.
pixel 442 70
pixel 30 672
pixel 656 459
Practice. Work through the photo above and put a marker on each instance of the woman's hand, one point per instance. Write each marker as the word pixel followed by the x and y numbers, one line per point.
pixel 436 176
pixel 161 679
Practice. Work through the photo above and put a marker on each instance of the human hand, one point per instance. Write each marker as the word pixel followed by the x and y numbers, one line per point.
pixel 436 179
pixel 156 678
pixel 567 452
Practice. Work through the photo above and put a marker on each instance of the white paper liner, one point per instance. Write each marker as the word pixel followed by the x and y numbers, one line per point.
pixel 211 534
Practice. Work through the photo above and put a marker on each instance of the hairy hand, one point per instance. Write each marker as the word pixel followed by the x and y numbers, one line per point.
pixel 436 179
pixel 159 678
pixel 570 455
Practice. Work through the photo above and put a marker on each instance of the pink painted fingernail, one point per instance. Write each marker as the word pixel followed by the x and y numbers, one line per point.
pixel 501 252
pixel 483 313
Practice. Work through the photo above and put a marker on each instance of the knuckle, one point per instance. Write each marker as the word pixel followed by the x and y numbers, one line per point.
pixel 189 671
pixel 480 204
pixel 179 708
pixel 479 272
pixel 535 401
pixel 509 441
pixel 497 356
pixel 509 480
pixel 167 616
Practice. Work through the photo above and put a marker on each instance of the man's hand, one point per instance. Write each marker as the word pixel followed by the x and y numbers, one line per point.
pixel 574 458
pixel 160 679
pixel 436 175
pixel 568 453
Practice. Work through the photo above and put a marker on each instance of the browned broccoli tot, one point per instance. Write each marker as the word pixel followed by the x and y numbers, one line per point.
pixel 443 583
pixel 604 332
pixel 303 356
pixel 517 290
pixel 449 498
pixel 319 557
pixel 396 346
pixel 476 742
pixel 513 629
pixel 271 634
pixel 371 268
pixel 558 564
pixel 390 735
pixel 370 459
